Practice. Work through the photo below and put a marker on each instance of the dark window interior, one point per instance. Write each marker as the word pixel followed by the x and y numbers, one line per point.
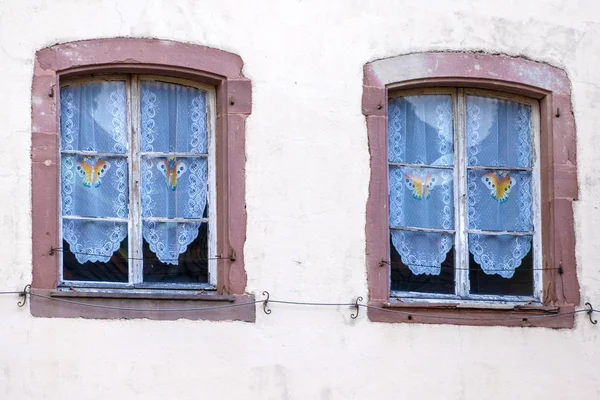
pixel 115 270
pixel 403 279
pixel 192 266
pixel 520 284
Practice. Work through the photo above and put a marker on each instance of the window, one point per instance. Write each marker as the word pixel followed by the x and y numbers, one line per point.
pixel 138 180
pixel 473 175
pixel 463 196
pixel 137 168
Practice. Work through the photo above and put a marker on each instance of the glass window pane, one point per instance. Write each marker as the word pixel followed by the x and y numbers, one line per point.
pixel 173 118
pixel 93 117
pixel 420 130
pixel 500 200
pixel 174 187
pixel 498 132
pixel 93 242
pixel 421 197
pixel 167 240
pixel 422 252
pixel 404 279
pixel 499 255
pixel 113 270
pixel 518 284
pixel 94 186
pixel 165 262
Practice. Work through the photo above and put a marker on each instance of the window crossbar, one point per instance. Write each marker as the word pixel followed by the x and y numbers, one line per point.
pixel 498 233
pixel 426 230
pixel 93 153
pixel 178 155
pixel 182 220
pixel 479 168
pixel 104 219
pixel 410 165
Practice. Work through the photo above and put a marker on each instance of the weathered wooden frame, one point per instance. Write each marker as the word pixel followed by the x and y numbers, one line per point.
pixel 558 181
pixel 460 170
pixel 205 65
pixel 133 157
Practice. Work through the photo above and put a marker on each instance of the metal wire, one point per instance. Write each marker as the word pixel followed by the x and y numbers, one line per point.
pixel 356 304
pixel 474 268
pixel 390 263
pixel 301 303
pixel 79 303
pixel 153 258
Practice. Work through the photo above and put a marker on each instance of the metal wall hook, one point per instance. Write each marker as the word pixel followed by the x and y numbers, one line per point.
pixel 590 312
pixel 24 294
pixel 357 307
pixel 266 308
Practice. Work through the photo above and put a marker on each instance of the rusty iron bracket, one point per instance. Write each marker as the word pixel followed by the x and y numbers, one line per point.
pixel 590 312
pixel 266 308
pixel 357 307
pixel 23 294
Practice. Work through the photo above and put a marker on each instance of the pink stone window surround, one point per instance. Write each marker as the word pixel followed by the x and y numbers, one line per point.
pixel 214 67
pixel 551 87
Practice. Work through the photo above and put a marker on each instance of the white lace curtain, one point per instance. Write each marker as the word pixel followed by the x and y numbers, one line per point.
pixel 420 132
pixel 93 118
pixel 499 135
pixel 173 121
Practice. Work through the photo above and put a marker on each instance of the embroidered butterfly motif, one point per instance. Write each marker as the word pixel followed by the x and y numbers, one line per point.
pixel 171 169
pixel 500 184
pixel 91 169
pixel 421 188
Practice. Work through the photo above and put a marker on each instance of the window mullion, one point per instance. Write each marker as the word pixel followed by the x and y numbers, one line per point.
pixel 538 289
pixel 212 186
pixel 462 251
pixel 136 264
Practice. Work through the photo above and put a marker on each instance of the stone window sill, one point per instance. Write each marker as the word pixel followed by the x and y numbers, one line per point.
pixel 129 304
pixel 473 314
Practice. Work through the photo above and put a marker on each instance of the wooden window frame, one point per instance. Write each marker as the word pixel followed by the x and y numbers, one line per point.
pixel 549 86
pixel 459 167
pixel 202 65
pixel 133 156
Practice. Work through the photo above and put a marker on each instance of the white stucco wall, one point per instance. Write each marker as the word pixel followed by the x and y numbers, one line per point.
pixel 307 181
